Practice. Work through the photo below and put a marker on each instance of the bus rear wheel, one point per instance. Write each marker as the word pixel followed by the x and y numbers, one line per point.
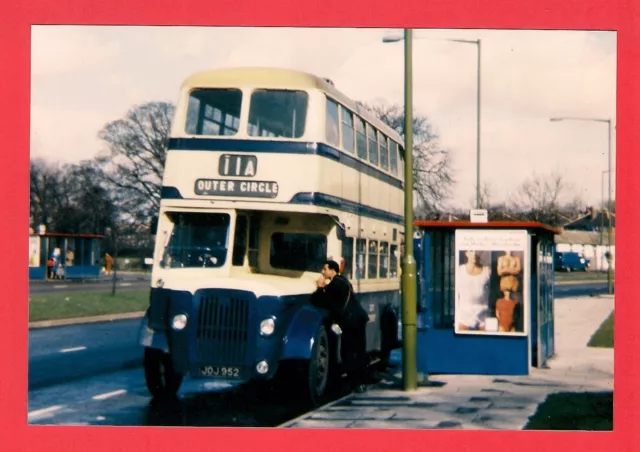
pixel 161 379
pixel 389 342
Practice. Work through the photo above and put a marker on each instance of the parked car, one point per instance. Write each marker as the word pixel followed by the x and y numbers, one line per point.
pixel 571 261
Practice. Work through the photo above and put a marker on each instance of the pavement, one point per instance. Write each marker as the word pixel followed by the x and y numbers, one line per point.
pixel 479 402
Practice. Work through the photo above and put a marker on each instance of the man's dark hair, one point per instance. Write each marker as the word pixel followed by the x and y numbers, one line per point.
pixel 332 265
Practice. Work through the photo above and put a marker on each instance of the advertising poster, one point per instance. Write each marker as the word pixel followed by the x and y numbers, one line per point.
pixel 34 251
pixel 492 282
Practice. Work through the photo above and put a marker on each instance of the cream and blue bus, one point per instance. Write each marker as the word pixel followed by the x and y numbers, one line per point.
pixel 268 173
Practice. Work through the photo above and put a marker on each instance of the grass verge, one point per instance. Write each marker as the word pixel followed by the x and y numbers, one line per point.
pixel 85 304
pixel 574 411
pixel 603 337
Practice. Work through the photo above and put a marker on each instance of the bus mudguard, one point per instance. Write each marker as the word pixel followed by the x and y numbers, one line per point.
pixel 297 342
pixel 148 337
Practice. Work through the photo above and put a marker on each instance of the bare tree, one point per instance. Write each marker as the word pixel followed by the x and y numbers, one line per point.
pixel 538 199
pixel 42 193
pixel 137 146
pixel 432 173
pixel 69 198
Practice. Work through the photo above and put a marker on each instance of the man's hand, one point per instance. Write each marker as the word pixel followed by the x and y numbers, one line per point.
pixel 321 282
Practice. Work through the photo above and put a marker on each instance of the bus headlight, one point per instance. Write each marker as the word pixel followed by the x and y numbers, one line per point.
pixel 267 327
pixel 262 367
pixel 179 322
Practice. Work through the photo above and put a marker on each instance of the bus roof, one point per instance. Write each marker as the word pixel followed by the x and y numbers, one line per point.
pixel 278 78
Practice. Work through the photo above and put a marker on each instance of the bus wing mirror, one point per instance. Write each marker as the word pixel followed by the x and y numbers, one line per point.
pixel 153 227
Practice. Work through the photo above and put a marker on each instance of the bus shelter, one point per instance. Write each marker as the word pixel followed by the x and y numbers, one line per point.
pixel 485 297
pixel 67 256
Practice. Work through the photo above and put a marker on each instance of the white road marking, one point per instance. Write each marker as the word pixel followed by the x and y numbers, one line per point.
pixel 109 394
pixel 125 284
pixel 74 349
pixel 43 411
pixel 60 286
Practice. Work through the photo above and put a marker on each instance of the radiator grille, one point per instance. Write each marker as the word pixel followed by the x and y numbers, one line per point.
pixel 222 332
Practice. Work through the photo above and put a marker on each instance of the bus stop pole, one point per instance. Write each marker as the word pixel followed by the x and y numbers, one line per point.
pixel 409 302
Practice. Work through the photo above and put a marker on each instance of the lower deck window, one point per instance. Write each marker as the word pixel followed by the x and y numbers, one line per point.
pixel 347 255
pixel 299 252
pixel 393 267
pixel 384 259
pixel 361 253
pixel 373 259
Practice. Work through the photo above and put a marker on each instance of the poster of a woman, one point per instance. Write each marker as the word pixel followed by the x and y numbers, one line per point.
pixel 491 282
pixel 472 294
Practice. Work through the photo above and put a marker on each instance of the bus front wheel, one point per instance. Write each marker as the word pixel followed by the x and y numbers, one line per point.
pixel 161 379
pixel 318 366
pixel 308 380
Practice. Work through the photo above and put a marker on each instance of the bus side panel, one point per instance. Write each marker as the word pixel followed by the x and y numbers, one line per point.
pixel 297 342
pixel 379 305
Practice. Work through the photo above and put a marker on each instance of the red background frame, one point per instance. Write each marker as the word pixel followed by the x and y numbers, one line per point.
pixel 15 23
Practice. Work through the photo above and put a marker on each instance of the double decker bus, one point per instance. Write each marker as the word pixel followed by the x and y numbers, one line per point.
pixel 268 173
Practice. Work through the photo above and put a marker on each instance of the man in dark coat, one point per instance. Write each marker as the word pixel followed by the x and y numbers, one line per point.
pixel 335 294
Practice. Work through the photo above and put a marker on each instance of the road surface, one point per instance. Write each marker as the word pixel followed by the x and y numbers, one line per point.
pixel 91 374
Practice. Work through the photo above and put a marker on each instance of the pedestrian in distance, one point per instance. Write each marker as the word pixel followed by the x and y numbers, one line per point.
pixel 335 294
pixel 108 262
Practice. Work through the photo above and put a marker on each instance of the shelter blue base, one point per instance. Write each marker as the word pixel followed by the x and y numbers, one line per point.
pixel 443 351
pixel 75 272
pixel 37 273
pixel 82 272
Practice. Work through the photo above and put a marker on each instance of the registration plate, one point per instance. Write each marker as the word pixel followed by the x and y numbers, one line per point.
pixel 220 371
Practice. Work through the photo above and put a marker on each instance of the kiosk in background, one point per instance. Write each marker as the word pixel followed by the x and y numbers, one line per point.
pixel 63 256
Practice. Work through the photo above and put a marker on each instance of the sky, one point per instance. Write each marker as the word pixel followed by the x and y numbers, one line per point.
pixel 82 77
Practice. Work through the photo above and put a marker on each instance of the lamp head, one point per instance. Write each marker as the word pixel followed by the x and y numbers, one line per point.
pixel 388 39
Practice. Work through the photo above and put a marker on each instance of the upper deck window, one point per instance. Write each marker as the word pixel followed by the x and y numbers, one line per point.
pixel 348 136
pixel 277 113
pixel 373 144
pixel 384 152
pixel 393 157
pixel 214 112
pixel 332 123
pixel 361 139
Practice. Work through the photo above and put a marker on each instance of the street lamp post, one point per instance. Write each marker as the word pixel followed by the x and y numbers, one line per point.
pixel 602 209
pixel 610 231
pixel 463 41
pixel 409 281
